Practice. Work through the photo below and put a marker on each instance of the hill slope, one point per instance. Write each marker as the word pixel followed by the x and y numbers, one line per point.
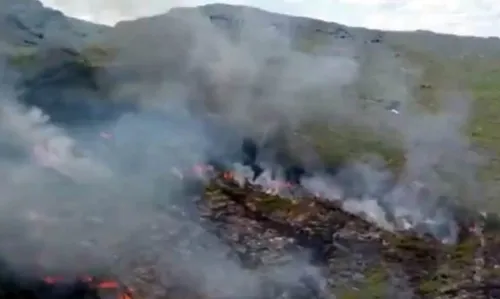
pixel 314 94
pixel 350 76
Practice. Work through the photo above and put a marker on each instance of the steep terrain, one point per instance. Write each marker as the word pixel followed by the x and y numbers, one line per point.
pixel 318 98
pixel 361 260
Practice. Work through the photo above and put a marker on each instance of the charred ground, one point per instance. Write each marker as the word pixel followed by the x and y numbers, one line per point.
pixel 88 85
pixel 265 232
pixel 360 259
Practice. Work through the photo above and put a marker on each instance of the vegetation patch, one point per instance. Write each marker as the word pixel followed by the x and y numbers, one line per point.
pixel 96 56
pixel 22 56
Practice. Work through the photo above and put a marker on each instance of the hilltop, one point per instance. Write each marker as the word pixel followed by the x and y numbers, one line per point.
pixel 311 93
pixel 135 53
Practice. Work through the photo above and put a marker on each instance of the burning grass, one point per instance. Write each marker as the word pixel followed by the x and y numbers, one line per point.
pixel 423 265
pixel 356 258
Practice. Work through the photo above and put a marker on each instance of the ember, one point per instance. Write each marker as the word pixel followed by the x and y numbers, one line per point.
pixel 60 287
pixel 351 247
pixel 292 180
pixel 228 175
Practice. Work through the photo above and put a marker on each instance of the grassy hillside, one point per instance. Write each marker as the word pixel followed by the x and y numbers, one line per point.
pixel 261 229
pixel 467 63
pixel 480 75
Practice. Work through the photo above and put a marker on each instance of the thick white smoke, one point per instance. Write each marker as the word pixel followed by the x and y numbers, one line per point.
pixel 79 204
pixel 119 200
pixel 48 146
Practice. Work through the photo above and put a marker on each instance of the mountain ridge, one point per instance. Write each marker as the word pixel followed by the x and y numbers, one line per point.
pixel 313 95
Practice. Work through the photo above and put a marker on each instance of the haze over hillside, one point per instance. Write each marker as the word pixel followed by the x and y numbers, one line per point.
pixel 253 69
pixel 104 131
pixel 477 18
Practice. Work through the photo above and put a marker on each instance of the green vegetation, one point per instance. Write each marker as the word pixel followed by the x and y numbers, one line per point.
pixel 311 42
pixel 22 56
pixel 485 122
pixel 91 56
pixel 418 263
pixel 375 286
pixel 341 143
pixel 477 75
pixel 97 56
pixel 481 77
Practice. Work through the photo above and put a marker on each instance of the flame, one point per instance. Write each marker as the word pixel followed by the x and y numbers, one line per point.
pixel 110 284
pixel 124 292
pixel 107 284
pixel 270 186
pixel 228 175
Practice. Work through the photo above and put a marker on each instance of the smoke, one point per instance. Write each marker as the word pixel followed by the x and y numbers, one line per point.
pixel 77 200
pixel 252 70
pixel 325 86
pixel 123 208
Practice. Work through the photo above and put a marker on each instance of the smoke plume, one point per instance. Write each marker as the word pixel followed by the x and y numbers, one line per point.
pixel 71 195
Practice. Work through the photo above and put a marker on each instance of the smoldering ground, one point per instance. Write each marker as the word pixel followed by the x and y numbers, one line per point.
pixel 117 203
pixel 127 209
pixel 252 68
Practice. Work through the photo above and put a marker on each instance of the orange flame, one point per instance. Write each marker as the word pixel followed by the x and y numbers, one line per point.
pixel 228 175
pixel 126 293
pixel 108 284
